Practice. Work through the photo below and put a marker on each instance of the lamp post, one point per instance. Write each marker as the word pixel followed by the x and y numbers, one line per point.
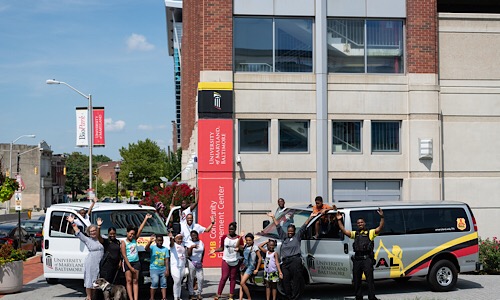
pixel 7 207
pixel 97 174
pixel 144 187
pixel 117 172
pixel 130 177
pixel 90 122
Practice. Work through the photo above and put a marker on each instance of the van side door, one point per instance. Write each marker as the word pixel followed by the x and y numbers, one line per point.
pixel 326 255
pixel 64 253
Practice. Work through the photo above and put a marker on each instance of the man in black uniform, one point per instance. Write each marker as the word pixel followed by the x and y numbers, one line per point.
pixel 363 253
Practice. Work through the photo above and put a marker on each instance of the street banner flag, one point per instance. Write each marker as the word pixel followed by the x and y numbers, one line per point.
pixel 82 138
pixel 98 113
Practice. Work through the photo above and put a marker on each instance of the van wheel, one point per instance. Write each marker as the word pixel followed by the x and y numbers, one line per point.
pixel 52 280
pixel 442 276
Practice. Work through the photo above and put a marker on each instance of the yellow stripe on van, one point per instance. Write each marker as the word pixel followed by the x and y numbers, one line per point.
pixel 441 247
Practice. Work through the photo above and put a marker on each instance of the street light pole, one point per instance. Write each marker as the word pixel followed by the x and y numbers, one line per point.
pixel 117 172
pixel 90 122
pixel 7 207
pixel 131 177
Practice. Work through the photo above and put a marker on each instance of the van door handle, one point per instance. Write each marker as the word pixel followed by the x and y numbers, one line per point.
pixel 46 244
pixel 346 248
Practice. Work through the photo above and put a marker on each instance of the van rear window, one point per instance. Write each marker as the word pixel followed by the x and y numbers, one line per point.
pixel 415 221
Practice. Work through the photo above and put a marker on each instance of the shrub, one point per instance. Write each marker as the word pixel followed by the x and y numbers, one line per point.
pixel 9 254
pixel 489 255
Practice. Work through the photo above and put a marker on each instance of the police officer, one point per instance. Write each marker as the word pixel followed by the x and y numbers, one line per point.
pixel 363 253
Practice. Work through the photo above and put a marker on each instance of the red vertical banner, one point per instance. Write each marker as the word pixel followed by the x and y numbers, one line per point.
pixel 215 145
pixel 98 118
pixel 216 199
pixel 215 182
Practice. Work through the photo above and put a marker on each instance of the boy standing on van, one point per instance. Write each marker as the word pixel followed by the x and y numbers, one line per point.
pixel 363 253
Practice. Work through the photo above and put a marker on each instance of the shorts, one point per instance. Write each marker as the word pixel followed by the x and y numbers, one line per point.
pixel 158 276
pixel 271 276
pixel 249 270
pixel 136 265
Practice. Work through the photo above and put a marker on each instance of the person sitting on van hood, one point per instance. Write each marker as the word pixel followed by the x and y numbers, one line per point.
pixel 290 256
pixel 85 215
pixel 363 253
pixel 186 207
pixel 189 226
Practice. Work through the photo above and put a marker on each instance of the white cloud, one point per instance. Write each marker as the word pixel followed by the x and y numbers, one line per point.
pixel 113 126
pixel 151 127
pixel 145 127
pixel 138 42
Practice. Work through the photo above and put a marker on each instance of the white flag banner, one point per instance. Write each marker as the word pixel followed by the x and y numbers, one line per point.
pixel 82 137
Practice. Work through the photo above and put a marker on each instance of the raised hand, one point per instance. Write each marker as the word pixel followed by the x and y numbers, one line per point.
pixel 212 218
pixel 270 215
pixel 339 216
pixel 70 218
pixel 99 221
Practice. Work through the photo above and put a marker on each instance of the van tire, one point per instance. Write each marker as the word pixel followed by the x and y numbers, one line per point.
pixel 442 276
pixel 52 280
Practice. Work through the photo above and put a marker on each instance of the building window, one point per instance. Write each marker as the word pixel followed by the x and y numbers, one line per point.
pixel 366 190
pixel 385 136
pixel 254 135
pixel 273 45
pixel 365 46
pixel 346 136
pixel 294 136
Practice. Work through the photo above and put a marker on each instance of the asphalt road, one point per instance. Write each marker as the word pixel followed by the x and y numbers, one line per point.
pixel 477 287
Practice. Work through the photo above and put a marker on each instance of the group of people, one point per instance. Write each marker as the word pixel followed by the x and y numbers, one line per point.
pixel 241 257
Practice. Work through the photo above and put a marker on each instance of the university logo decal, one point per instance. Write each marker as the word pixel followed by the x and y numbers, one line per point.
pixel 461 223
pixel 217 98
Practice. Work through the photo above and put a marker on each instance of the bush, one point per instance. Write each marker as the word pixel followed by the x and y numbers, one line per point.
pixel 489 255
pixel 9 254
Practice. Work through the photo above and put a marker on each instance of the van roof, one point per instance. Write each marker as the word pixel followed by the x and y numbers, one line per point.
pixel 100 206
pixel 381 204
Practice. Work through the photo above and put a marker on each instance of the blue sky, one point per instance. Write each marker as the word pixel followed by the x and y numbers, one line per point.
pixel 114 50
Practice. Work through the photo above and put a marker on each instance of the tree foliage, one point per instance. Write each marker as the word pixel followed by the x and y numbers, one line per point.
pixel 77 173
pixel 146 160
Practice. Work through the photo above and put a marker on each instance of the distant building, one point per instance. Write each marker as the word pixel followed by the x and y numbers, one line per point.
pixel 350 100
pixel 42 173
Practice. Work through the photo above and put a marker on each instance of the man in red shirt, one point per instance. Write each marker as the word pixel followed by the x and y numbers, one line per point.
pixel 320 208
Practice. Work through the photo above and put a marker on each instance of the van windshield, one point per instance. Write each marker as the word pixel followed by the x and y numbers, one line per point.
pixel 293 216
pixel 120 219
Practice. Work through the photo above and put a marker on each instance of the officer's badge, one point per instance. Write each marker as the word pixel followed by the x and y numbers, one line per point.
pixel 461 225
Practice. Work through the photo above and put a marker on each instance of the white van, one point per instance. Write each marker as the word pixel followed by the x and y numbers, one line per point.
pixel 64 254
pixel 437 240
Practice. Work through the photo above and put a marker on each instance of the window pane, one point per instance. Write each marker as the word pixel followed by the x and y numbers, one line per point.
pixel 294 136
pixel 254 136
pixel 385 46
pixel 385 136
pixel 253 44
pixel 346 46
pixel 346 137
pixel 435 220
pixel 293 45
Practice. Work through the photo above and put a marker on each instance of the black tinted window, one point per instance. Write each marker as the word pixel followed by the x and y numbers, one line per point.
pixel 435 220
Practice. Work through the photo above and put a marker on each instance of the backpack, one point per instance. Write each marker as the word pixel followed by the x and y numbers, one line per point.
pixel 362 244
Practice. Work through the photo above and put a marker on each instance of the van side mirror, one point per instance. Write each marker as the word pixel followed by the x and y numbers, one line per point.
pixel 265 223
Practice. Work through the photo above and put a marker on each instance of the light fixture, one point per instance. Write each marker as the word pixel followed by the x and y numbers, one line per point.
pixel 425 148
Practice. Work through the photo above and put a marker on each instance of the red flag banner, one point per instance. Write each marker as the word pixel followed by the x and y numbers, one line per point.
pixel 98 119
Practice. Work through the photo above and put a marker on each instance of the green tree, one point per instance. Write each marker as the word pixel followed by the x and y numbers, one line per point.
pixel 174 160
pixel 146 160
pixel 97 159
pixel 77 173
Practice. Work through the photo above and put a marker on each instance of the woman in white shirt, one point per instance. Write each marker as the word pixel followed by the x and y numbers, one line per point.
pixel 177 263
pixel 195 250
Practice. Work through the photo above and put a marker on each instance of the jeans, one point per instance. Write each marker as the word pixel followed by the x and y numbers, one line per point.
pixel 198 273
pixel 228 272
pixel 158 276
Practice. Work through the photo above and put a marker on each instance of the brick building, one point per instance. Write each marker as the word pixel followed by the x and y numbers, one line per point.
pixel 353 100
